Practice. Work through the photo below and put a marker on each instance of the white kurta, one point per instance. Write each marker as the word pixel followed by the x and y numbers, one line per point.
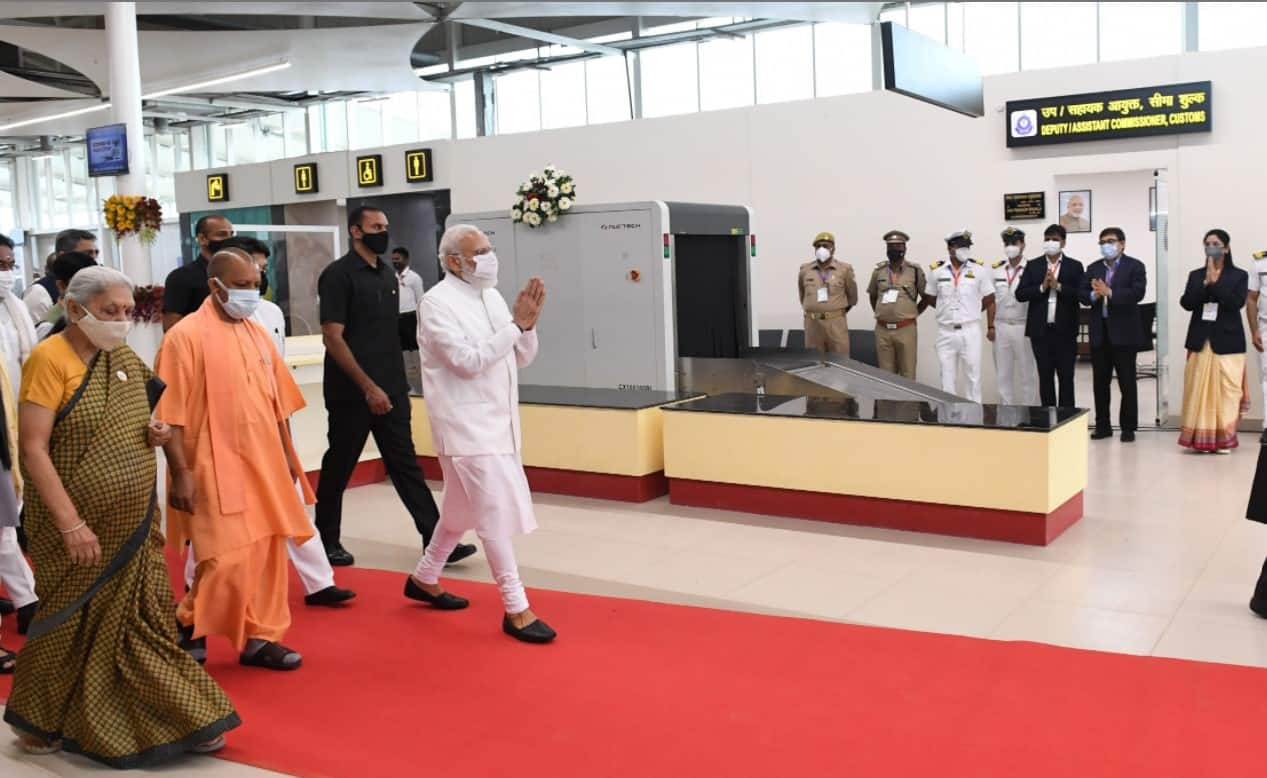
pixel 471 354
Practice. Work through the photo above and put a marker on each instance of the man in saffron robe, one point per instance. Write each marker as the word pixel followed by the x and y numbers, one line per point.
pixel 233 468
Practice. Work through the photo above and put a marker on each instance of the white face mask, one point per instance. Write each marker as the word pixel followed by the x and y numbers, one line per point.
pixel 241 303
pixel 105 335
pixel 963 254
pixel 7 280
pixel 1051 248
pixel 1011 252
pixel 484 276
pixel 822 253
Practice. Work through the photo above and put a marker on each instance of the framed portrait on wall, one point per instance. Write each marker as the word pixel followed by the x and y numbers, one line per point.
pixel 1075 210
pixel 1152 209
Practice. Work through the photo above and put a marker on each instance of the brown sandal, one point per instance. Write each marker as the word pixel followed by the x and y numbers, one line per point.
pixel 8 661
pixel 272 656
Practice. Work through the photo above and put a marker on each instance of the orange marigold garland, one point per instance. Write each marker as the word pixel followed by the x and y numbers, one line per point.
pixel 133 215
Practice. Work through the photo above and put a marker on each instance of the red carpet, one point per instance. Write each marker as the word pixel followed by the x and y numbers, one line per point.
pixel 638 689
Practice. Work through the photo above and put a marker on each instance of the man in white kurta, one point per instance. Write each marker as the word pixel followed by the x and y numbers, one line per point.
pixel 309 559
pixel 17 338
pixel 472 346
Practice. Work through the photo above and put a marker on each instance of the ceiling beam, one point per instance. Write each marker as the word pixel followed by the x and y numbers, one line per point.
pixel 540 35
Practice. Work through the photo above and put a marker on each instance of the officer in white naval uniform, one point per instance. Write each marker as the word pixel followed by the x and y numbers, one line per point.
pixel 961 288
pixel 1013 354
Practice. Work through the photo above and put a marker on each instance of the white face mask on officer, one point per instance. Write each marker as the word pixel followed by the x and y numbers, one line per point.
pixel 1052 248
pixel 963 254
pixel 822 253
pixel 1011 252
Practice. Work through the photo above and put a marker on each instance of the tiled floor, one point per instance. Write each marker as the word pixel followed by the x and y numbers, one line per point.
pixel 1162 564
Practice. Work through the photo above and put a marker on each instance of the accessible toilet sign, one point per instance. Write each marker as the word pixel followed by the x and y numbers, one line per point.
pixel 1124 113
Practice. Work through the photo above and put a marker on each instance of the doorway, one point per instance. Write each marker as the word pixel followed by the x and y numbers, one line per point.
pixel 710 290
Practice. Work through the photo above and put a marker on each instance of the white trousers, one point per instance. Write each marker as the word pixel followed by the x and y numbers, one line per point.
pixel 501 561
pixel 15 573
pixel 957 349
pixel 1262 366
pixel 1014 363
pixel 309 559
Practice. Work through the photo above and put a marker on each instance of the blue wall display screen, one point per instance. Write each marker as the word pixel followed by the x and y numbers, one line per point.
pixel 108 150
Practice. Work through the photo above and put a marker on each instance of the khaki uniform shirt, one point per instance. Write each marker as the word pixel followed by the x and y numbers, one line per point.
pixel 834 276
pixel 909 284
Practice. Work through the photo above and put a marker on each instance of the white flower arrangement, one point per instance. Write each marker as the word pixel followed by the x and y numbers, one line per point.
pixel 543 197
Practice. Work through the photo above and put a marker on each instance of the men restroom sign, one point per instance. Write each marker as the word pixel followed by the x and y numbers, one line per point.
pixel 369 170
pixel 217 187
pixel 418 166
pixel 306 178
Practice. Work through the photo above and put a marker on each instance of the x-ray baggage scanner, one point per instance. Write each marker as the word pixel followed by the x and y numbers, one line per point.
pixel 630 288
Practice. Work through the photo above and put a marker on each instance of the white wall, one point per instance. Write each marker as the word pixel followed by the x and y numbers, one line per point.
pixel 860 165
pixel 1117 200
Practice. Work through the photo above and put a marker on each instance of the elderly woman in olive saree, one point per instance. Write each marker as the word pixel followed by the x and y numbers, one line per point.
pixel 101 673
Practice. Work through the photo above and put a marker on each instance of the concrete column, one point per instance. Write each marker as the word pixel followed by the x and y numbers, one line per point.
pixel 125 104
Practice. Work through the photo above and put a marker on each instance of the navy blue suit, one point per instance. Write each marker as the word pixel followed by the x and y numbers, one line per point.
pixel 1056 344
pixel 1116 338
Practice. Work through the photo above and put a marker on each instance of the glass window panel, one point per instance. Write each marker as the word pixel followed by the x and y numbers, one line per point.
pixel 434 118
pixel 896 14
pixel 1137 30
pixel 842 59
pixel 1057 34
pixel 954 26
pixel 929 20
pixel 670 80
pixel 400 118
pixel 725 73
pixel 606 90
pixel 563 96
pixel 295 124
pixel 365 123
pixel 336 124
pixel 241 139
pixel 219 135
pixel 464 95
pixel 785 64
pixel 272 137
pixel 989 35
pixel 517 97
pixel 1231 25
pixel 60 188
pixel 81 210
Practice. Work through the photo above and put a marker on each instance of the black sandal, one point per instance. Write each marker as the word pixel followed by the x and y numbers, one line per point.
pixel 8 661
pixel 271 656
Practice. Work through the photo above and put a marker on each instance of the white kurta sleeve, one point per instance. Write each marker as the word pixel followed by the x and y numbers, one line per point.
pixel 526 348
pixel 37 302
pixel 438 329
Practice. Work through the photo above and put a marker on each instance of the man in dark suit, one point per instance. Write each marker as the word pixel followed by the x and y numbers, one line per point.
pixel 1050 285
pixel 1113 287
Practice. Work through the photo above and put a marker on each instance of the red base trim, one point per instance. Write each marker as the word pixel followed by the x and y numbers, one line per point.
pixel 1034 529
pixel 602 486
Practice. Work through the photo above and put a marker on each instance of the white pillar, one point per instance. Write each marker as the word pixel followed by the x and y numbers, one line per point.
pixel 123 49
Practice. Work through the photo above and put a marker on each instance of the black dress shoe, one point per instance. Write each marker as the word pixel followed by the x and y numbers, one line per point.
pixel 444 601
pixel 536 632
pixel 1101 434
pixel 1259 606
pixel 6 606
pixel 339 556
pixel 26 614
pixel 196 648
pixel 329 597
pixel 1128 436
pixel 460 551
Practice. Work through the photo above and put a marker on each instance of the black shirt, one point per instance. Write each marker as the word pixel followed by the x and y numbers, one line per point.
pixel 364 300
pixel 186 288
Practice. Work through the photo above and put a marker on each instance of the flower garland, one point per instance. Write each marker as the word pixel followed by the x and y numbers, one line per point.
pixel 133 214
pixel 544 197
pixel 149 304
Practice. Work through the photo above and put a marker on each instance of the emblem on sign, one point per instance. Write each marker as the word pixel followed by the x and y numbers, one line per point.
pixel 217 187
pixel 369 170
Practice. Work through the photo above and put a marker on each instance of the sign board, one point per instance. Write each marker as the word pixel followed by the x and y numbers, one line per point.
pixel 418 166
pixel 1124 113
pixel 306 178
pixel 218 187
pixel 107 150
pixel 369 170
pixel 1019 206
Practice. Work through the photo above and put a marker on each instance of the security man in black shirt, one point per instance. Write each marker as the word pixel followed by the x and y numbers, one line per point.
pixel 365 387
pixel 186 286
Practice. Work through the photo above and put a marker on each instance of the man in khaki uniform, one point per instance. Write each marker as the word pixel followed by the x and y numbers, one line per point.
pixel 827 290
pixel 897 297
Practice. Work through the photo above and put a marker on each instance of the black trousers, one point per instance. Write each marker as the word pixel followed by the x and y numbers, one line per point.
pixel 1055 357
pixel 1105 361
pixel 1260 591
pixel 349 429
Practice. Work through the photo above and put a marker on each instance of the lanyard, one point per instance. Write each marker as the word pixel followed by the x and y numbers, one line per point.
pixel 896 280
pixel 822 276
pixel 955 273
pixel 1011 277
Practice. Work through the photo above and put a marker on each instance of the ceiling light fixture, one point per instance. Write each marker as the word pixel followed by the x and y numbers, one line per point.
pixel 216 81
pixel 53 117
